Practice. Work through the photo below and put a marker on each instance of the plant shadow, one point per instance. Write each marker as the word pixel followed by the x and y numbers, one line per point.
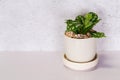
pixel 103 61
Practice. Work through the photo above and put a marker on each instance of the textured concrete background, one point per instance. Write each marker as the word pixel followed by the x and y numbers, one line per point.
pixel 38 25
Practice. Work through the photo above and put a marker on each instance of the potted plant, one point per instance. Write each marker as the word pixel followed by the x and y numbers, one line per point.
pixel 80 42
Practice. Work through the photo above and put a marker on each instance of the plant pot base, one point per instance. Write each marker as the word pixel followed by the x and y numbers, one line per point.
pixel 80 65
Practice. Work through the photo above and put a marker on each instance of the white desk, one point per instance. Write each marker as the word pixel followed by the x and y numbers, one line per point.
pixel 49 66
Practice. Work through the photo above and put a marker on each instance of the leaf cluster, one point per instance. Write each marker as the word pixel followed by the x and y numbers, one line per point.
pixel 84 24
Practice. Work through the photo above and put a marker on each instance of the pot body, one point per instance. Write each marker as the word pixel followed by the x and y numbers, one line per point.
pixel 80 50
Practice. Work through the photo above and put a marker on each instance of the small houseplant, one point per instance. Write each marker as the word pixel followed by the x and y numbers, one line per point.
pixel 80 38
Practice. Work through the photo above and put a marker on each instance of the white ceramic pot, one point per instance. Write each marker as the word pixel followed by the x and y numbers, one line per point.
pixel 80 50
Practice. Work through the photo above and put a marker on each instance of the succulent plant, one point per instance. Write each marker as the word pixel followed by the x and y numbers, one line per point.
pixel 84 24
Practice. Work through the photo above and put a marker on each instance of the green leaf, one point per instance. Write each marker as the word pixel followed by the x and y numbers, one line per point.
pixel 98 34
pixel 90 18
pixel 73 26
pixel 94 16
pixel 80 19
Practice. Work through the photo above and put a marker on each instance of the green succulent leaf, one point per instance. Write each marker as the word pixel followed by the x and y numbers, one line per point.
pixel 80 19
pixel 98 34
pixel 73 26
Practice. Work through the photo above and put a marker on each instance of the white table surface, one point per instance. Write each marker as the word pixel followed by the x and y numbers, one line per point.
pixel 49 66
